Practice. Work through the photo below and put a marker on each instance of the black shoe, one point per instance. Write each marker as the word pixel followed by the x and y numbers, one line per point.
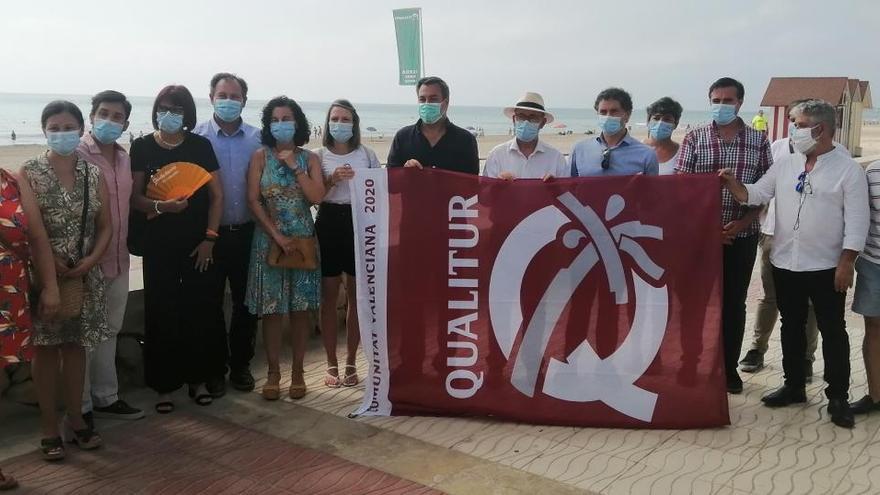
pixel 808 371
pixel 89 419
pixel 734 385
pixel 216 387
pixel 784 396
pixel 119 410
pixel 241 379
pixel 752 362
pixel 840 412
pixel 864 405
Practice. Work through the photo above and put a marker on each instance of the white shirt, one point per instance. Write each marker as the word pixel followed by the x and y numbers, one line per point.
pixel 832 212
pixel 779 148
pixel 506 157
pixel 668 167
pixel 872 245
pixel 362 157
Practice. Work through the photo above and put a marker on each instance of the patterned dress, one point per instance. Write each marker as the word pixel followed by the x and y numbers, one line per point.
pixel 62 213
pixel 281 290
pixel 15 315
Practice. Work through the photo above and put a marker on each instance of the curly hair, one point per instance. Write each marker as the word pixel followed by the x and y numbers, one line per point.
pixel 303 129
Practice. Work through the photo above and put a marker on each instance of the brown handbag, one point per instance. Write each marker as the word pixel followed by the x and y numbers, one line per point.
pixel 302 256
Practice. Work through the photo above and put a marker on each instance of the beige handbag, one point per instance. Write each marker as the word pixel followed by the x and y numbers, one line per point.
pixel 303 255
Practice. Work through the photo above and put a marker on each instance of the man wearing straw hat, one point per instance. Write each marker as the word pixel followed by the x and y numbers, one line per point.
pixel 526 156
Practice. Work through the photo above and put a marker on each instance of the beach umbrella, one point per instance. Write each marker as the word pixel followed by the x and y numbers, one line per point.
pixel 559 125
pixel 371 131
pixel 470 128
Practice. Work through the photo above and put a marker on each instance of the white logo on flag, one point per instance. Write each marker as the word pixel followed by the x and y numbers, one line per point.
pixel 584 377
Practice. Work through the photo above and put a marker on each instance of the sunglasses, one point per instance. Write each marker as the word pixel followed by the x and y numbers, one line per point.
pixel 606 158
pixel 803 184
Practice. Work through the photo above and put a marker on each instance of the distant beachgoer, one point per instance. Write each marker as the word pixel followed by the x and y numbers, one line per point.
pixel 341 157
pixel 727 142
pixel 130 137
pixel 234 142
pixel 759 122
pixel 434 141
pixel 68 191
pixel 614 151
pixel 284 181
pixel 183 312
pixel 663 117
pixel 13 136
pixel 109 118
pixel 526 156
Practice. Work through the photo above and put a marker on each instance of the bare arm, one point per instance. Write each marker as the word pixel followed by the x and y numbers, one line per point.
pixel 140 202
pixel 254 198
pixel 204 252
pixel 41 250
pixel 103 233
pixel 312 182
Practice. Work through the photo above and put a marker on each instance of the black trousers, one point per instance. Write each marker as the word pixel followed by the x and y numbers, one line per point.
pixel 232 253
pixel 794 292
pixel 184 330
pixel 738 261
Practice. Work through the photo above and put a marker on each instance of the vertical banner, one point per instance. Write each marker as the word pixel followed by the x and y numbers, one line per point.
pixel 408 27
pixel 585 302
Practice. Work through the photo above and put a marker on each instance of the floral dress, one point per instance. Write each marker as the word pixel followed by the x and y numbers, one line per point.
pixel 15 315
pixel 274 290
pixel 62 213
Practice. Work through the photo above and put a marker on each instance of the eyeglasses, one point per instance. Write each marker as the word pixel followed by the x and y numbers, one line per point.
pixel 523 118
pixel 805 189
pixel 606 158
pixel 161 108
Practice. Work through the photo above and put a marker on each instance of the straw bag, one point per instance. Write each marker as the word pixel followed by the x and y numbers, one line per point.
pixel 71 289
pixel 303 254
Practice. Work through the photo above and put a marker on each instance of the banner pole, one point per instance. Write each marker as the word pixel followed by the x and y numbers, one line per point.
pixel 422 45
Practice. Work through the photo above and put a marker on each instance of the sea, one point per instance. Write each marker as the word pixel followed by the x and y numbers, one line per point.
pixel 21 113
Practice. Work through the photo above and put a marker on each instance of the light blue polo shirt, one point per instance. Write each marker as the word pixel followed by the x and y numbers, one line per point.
pixel 629 157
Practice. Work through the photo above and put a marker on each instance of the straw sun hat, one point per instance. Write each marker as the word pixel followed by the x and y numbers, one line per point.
pixel 530 101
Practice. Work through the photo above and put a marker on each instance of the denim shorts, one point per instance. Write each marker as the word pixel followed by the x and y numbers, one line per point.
pixel 866 300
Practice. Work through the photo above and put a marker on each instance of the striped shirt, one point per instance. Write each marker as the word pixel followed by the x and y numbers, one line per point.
pixel 872 244
pixel 748 155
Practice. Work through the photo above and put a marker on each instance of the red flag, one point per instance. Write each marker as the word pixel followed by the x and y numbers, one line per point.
pixel 589 302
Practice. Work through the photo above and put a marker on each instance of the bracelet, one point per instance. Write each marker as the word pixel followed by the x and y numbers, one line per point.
pixel 212 233
pixel 156 207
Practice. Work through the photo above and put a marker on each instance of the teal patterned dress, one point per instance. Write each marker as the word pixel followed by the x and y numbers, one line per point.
pixel 271 290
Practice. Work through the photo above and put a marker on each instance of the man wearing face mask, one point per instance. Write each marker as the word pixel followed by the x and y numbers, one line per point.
pixel 822 218
pixel 614 151
pixel 234 143
pixel 728 143
pixel 109 118
pixel 526 156
pixel 434 141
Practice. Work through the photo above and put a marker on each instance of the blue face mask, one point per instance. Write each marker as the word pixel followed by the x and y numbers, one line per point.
pixel 283 131
pixel 106 131
pixel 63 142
pixel 660 130
pixel 610 125
pixel 169 122
pixel 526 131
pixel 227 110
pixel 430 112
pixel 723 113
pixel 341 131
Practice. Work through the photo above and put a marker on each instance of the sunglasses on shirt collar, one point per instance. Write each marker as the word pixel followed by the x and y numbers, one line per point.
pixel 606 158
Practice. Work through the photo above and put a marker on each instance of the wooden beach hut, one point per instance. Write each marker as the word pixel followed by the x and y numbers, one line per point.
pixel 849 96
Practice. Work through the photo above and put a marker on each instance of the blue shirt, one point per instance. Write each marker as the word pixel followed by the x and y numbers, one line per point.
pixel 629 157
pixel 234 156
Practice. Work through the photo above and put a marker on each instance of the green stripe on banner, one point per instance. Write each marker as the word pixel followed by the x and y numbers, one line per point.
pixel 408 26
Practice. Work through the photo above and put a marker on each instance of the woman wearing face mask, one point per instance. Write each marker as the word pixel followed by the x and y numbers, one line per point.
pixel 183 309
pixel 663 117
pixel 341 156
pixel 284 180
pixel 72 199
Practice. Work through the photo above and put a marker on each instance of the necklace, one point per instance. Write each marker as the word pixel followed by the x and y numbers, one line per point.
pixel 166 144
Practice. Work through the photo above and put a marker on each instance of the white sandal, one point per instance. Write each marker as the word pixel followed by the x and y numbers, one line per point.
pixel 352 379
pixel 332 381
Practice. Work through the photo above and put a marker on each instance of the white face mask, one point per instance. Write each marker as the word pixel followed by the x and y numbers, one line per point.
pixel 802 140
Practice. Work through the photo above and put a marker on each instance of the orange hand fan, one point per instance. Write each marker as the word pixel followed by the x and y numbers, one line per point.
pixel 177 180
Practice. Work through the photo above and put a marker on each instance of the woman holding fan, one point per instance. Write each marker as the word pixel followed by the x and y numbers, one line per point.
pixel 183 309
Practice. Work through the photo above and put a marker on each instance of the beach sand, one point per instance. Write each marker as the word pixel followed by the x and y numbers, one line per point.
pixel 12 157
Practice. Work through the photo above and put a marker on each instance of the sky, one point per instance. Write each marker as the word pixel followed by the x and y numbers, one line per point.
pixel 490 51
